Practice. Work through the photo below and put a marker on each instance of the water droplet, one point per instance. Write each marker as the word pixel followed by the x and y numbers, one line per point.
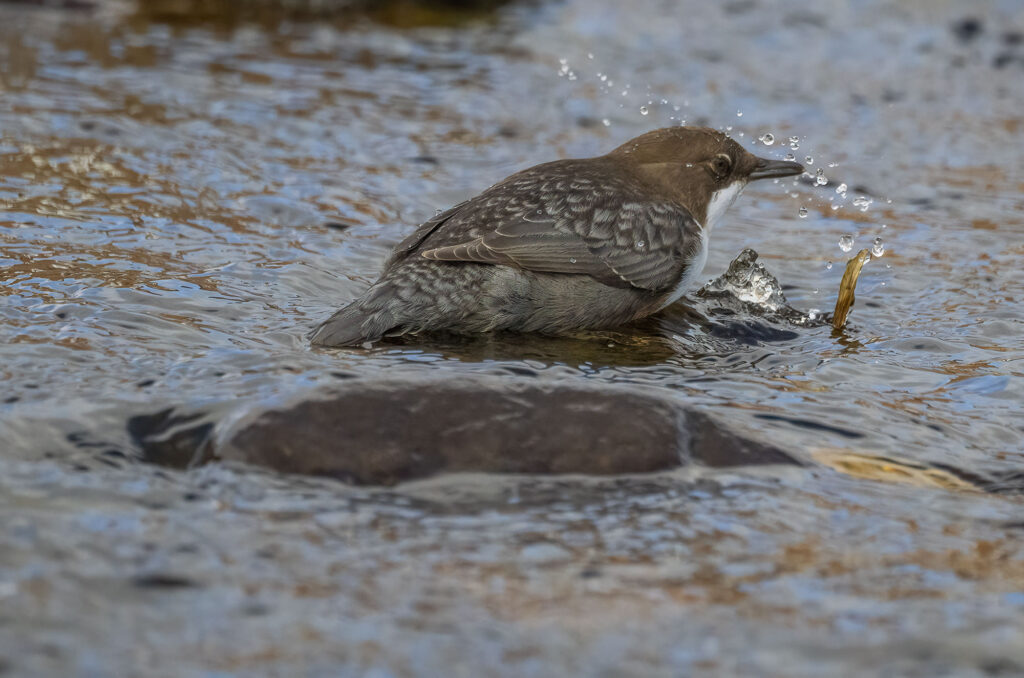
pixel 739 114
pixel 833 164
pixel 813 313
pixel 767 138
pixel 809 160
pixel 625 92
pixel 802 212
pixel 862 202
pixel 828 265
pixel 865 258
pixel 790 156
pixel 602 77
pixel 820 179
pixel 841 190
pixel 572 260
pixel 877 247
pixel 883 225
pixel 640 244
pixel 794 143
pixel 590 55
pixel 846 242
pixel 437 212
pixel 643 110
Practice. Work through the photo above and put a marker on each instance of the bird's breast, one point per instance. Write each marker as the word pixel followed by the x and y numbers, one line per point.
pixel 691 271
pixel 720 201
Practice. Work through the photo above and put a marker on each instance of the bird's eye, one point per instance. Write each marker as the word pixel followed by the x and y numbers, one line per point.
pixel 721 165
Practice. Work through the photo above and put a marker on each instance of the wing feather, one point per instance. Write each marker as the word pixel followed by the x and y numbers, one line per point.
pixel 568 217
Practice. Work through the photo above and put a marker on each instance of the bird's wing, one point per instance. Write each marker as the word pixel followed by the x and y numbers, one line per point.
pixel 422 232
pixel 566 218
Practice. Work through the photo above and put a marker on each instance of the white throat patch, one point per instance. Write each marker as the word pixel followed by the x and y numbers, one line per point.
pixel 720 202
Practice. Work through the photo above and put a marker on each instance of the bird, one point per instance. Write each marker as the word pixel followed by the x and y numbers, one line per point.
pixel 561 247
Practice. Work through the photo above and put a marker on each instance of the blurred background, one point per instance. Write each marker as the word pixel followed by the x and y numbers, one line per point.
pixel 187 187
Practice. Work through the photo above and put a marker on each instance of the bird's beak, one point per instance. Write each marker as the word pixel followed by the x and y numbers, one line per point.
pixel 768 169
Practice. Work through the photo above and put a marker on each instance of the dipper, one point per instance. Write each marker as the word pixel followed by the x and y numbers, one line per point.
pixel 564 246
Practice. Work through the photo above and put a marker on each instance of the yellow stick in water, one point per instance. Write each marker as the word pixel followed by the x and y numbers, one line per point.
pixel 847 287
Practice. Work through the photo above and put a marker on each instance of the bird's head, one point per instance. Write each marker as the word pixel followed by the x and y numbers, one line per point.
pixel 701 168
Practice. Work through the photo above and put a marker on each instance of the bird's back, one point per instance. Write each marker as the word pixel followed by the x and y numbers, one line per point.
pixel 530 252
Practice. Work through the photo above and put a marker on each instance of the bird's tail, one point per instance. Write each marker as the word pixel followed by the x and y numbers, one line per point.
pixel 352 326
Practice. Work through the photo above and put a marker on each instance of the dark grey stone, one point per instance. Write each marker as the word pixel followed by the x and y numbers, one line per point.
pixel 384 432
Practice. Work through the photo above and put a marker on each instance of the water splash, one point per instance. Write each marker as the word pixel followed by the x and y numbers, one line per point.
pixel 862 202
pixel 749 281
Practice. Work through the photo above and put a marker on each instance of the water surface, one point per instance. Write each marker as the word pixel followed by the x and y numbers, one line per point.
pixel 181 202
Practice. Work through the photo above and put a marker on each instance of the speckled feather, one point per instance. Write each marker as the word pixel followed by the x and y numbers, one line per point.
pixel 570 216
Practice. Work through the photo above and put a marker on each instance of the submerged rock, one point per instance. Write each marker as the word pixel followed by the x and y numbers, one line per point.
pixel 170 439
pixel 383 432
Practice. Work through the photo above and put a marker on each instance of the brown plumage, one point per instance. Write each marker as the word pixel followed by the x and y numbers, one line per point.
pixel 561 247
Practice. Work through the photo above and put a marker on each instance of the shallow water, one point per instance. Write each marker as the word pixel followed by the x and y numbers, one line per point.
pixel 182 202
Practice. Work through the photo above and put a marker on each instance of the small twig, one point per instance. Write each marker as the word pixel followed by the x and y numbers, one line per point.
pixel 847 287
